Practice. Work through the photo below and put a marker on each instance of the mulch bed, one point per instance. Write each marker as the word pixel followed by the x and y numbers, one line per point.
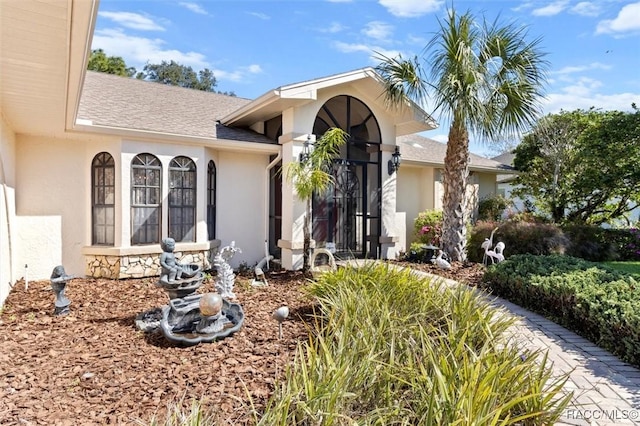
pixel 93 366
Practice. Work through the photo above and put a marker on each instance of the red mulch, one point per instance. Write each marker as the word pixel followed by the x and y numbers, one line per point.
pixel 94 366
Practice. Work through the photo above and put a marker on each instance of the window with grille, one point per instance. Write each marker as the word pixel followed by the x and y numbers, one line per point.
pixel 146 199
pixel 211 200
pixel 182 199
pixel 103 195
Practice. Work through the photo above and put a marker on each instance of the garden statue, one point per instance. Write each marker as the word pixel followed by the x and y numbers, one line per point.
pixel 225 278
pixel 179 280
pixel 440 262
pixel 189 318
pixel 496 255
pixel 59 280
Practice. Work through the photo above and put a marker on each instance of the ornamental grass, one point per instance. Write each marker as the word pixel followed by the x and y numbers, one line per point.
pixel 388 347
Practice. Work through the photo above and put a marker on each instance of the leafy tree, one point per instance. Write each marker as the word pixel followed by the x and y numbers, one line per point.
pixel 582 166
pixel 313 175
pixel 100 62
pixel 485 79
pixel 175 74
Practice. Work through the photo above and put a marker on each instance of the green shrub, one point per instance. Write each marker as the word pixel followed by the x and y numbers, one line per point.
pixel 427 227
pixel 389 347
pixel 589 242
pixel 491 208
pixel 597 302
pixel 519 238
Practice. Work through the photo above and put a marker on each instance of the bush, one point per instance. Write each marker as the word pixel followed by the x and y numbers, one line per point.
pixel 427 227
pixel 492 208
pixel 589 242
pixel 519 238
pixel 597 302
pixel 390 347
pixel 599 244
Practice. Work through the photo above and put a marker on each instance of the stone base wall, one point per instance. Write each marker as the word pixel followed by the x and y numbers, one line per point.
pixel 138 266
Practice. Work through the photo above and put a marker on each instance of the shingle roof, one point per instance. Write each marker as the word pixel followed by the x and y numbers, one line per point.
pixel 424 150
pixel 121 102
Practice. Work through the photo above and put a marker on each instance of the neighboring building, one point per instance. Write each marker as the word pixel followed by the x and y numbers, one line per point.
pixel 97 169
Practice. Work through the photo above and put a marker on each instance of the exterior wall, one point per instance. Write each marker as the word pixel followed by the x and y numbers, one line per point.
pixel 50 177
pixel 8 271
pixel 241 209
pixel 416 192
pixel 420 188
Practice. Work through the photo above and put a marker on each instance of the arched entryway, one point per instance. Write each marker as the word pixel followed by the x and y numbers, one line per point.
pixel 348 216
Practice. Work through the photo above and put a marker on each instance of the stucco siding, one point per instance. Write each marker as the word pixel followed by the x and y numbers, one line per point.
pixel 240 206
pixel 50 202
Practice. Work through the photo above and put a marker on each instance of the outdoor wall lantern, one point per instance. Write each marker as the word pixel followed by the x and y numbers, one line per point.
pixel 394 163
pixel 306 150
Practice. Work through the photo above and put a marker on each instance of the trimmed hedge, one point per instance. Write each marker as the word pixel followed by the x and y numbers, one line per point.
pixel 601 304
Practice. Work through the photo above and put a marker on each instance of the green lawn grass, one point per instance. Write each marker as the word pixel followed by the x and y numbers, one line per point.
pixel 632 268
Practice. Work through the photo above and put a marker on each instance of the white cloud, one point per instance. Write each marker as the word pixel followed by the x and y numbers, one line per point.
pixel 551 9
pixel 586 8
pixel 259 15
pixel 334 27
pixel 194 7
pixel 378 30
pixel 411 8
pixel 137 51
pixel 628 20
pixel 132 20
pixel 584 94
pixel 239 74
pixel 351 47
pixel 581 68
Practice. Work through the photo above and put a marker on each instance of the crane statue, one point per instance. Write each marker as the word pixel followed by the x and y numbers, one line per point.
pixel 497 254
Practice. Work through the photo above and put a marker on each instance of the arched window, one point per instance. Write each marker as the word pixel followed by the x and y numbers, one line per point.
pixel 211 200
pixel 146 199
pixel 182 199
pixel 103 195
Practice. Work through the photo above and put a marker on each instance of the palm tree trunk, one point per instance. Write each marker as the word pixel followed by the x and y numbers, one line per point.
pixel 456 171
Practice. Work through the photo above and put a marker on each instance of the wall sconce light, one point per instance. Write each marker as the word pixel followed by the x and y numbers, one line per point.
pixel 394 163
pixel 306 150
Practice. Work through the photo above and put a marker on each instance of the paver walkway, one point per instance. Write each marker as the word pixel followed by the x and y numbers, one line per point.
pixel 606 390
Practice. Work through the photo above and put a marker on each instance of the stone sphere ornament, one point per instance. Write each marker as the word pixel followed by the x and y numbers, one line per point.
pixel 210 304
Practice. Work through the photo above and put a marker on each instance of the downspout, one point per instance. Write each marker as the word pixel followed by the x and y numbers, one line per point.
pixel 266 200
pixel 6 206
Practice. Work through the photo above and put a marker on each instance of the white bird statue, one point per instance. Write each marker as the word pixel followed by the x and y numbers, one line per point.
pixel 496 254
pixel 486 245
pixel 440 262
pixel 499 256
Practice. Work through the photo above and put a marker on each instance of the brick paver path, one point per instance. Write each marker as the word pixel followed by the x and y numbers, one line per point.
pixel 606 390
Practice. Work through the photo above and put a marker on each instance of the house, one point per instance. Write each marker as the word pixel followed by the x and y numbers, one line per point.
pixel 97 169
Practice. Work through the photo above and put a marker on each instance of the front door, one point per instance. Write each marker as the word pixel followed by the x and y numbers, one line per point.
pixel 346 219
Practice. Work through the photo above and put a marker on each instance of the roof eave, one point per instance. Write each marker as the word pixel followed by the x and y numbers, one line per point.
pixel 177 138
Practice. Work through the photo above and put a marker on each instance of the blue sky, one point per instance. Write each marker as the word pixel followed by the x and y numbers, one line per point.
pixel 254 46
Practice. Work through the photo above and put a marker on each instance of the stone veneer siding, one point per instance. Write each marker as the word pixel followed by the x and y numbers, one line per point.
pixel 138 266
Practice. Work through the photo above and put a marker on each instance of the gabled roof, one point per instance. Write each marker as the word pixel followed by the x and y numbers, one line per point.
pixel 114 102
pixel 422 150
pixel 506 158
pixel 410 118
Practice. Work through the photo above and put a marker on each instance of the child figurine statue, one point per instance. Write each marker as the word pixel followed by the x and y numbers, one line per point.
pixel 171 269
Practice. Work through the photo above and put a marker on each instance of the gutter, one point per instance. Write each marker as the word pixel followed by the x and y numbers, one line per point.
pixel 84 127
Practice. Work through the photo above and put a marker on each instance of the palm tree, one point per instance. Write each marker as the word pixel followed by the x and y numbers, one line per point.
pixel 312 174
pixel 485 79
